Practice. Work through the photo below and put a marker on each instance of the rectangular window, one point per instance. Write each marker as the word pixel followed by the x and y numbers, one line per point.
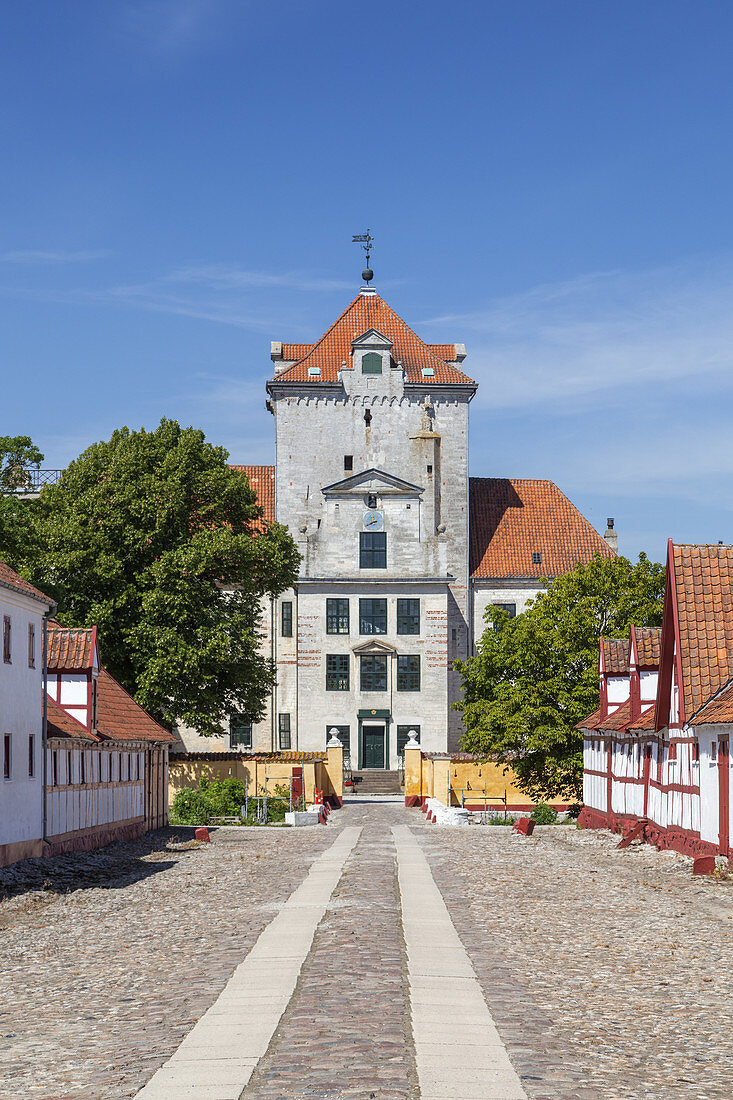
pixel 31 756
pixel 408 616
pixel 408 673
pixel 6 640
pixel 240 733
pixel 283 724
pixel 696 752
pixel 673 753
pixel 344 736
pixel 403 736
pixel 6 756
pixel 55 769
pixel 511 610
pixel 348 463
pixel 83 767
pixel 31 645
pixel 373 550
pixel 111 767
pixel 337 616
pixel 69 768
pixel 536 557
pixel 337 672
pixel 286 618
pixel 373 673
pixel 372 616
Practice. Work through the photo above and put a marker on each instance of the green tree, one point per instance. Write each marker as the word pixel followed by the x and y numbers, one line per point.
pixel 18 455
pixel 152 537
pixel 535 676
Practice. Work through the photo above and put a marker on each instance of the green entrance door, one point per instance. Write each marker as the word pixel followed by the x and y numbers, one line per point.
pixel 373 747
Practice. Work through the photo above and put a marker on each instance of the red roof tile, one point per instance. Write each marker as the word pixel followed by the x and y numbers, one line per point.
pixel 370 311
pixel 120 718
pixel 719 709
pixel 71 647
pixel 704 592
pixel 590 722
pixel 648 640
pixel 512 518
pixel 262 480
pixel 619 720
pixel 615 656
pixel 646 721
pixel 61 724
pixel 12 580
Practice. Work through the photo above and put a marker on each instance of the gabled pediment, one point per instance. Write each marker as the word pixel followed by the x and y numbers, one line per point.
pixel 374 647
pixel 372 481
pixel 372 339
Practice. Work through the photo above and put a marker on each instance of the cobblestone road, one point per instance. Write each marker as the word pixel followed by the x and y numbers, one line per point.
pixel 609 974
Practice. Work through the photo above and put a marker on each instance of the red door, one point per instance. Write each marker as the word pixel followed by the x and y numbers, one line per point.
pixel 647 776
pixel 723 795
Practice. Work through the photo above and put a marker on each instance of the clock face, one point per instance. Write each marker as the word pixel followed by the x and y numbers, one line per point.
pixel 373 521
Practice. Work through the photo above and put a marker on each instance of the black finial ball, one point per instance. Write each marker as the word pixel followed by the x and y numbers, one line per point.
pixel 367 274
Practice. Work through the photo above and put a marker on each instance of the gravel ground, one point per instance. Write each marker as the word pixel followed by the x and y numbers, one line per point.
pixel 609 973
pixel 98 985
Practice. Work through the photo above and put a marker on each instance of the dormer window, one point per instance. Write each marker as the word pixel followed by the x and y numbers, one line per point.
pixel 371 363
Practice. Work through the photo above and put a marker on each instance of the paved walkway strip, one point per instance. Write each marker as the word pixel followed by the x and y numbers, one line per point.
pixel 216 1059
pixel 458 1051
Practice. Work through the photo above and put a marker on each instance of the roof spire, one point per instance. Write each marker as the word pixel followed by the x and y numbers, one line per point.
pixel 365 240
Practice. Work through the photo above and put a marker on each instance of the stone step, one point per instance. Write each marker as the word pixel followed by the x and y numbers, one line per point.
pixel 376 782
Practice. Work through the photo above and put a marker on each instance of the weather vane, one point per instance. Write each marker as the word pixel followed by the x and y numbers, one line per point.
pixel 365 240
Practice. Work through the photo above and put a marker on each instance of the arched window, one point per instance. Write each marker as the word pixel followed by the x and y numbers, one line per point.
pixel 371 363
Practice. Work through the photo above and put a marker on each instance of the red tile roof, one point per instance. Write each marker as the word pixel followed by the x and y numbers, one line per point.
pixel 719 709
pixel 71 647
pixel 618 720
pixel 615 656
pixel 703 577
pixel 646 721
pixel 590 722
pixel 262 480
pixel 648 640
pixel 12 580
pixel 120 718
pixel 61 724
pixel 512 518
pixel 370 311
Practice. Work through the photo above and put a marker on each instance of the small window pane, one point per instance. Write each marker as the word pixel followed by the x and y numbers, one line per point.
pixel 511 610
pixel 372 616
pixel 240 733
pixel 6 756
pixel 7 646
pixel 284 730
pixel 344 733
pixel 31 645
pixel 371 363
pixel 337 616
pixel 373 673
pixel 31 756
pixel 286 611
pixel 373 550
pixel 337 672
pixel 403 736
pixel 408 673
pixel 408 616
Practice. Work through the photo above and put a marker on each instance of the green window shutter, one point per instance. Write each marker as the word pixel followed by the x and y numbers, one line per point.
pixel 371 363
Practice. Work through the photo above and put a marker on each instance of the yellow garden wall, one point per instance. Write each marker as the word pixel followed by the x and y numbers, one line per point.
pixel 473 782
pixel 322 771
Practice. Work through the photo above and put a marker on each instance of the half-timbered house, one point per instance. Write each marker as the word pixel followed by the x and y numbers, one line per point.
pixel 657 751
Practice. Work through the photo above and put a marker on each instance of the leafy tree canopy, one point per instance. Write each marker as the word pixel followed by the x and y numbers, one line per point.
pixel 535 676
pixel 18 454
pixel 156 540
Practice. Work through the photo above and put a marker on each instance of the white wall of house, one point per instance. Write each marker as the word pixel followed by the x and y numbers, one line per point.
pixel 99 800
pixel 21 717
pixel 485 593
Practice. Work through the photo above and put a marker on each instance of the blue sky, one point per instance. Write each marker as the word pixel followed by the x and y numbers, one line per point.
pixel 549 183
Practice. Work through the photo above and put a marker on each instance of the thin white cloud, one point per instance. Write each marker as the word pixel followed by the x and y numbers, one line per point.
pixel 566 342
pixel 169 26
pixel 39 256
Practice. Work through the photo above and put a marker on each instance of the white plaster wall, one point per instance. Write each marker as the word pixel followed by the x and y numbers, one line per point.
pixel 21 714
pixel 306 698
pixel 709 829
pixel 618 689
pixel 648 686
pixel 71 806
pixel 484 593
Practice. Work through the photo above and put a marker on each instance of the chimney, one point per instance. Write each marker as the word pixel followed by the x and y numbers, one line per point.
pixel 611 536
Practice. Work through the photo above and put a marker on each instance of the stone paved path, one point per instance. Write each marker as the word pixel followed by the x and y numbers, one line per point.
pixel 609 974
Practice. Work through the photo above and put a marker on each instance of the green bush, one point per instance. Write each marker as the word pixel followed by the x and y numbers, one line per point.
pixel 190 807
pixel 544 814
pixel 499 819
pixel 225 797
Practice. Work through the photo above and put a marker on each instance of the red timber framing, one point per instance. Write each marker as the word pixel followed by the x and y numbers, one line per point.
pixel 676 784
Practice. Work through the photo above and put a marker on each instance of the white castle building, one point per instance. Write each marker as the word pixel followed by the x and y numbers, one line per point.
pixel 401 550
